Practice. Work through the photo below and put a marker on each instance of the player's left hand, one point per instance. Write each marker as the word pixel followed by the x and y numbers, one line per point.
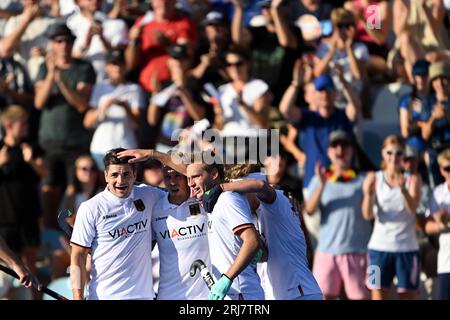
pixel 220 289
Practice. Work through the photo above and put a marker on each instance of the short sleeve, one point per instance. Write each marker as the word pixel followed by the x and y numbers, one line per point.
pixel 404 102
pixel 84 228
pixel 236 209
pixel 433 205
pixel 88 76
pixel 42 72
pixel 254 90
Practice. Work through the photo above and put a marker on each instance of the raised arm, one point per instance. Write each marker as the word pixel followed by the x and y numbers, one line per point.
pixel 284 34
pixel 312 204
pixel 287 108
pixel 263 189
pixel 239 34
pixel 368 196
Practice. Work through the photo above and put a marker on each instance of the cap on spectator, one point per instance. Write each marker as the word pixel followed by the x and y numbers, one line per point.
pixel 339 135
pixel 411 152
pixel 324 82
pixel 214 18
pixel 178 51
pixel 264 3
pixel 439 69
pixel 60 29
pixel 310 27
pixel 116 57
pixel 420 68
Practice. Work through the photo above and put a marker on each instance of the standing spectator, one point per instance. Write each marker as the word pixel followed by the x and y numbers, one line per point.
pixel 96 35
pixel 419 30
pixel 26 36
pixel 150 37
pixel 316 126
pixel 436 130
pixel 211 51
pixel 438 222
pixel 342 50
pixel 245 101
pixel 273 45
pixel 8 9
pixel 63 89
pixel 413 107
pixel 373 24
pixel 21 167
pixel 341 255
pixel 391 198
pixel 178 105
pixel 116 110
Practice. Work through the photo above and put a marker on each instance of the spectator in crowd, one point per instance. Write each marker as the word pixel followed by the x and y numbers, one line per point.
pixel 63 89
pixel 373 25
pixel 436 129
pixel 26 37
pixel 419 30
pixel 391 198
pixel 413 107
pixel 116 107
pixel 15 84
pixel 127 10
pixel 317 8
pixel 340 260
pixel 86 184
pixel 342 50
pixel 153 173
pixel 178 105
pixel 150 37
pixel 438 222
pixel 211 50
pixel 245 101
pixel 96 35
pixel 21 167
pixel 273 44
pixel 316 126
pixel 8 9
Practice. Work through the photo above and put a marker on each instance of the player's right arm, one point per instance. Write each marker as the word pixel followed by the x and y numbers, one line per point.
pixel 78 273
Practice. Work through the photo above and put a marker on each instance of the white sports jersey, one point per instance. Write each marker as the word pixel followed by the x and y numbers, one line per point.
pixel 285 275
pixel 441 200
pixel 182 238
pixel 395 226
pixel 230 214
pixel 120 237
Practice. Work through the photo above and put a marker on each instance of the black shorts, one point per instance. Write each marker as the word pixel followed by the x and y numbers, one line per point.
pixel 19 237
pixel 61 166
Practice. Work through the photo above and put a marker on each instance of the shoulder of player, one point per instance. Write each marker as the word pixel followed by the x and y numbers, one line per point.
pixel 149 192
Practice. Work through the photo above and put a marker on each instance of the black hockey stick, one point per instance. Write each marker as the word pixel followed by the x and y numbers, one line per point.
pixel 46 290
pixel 204 272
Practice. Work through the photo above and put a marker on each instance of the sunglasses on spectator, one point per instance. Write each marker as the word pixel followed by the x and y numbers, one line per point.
pixel 344 25
pixel 446 169
pixel 238 63
pixel 86 168
pixel 61 39
pixel 343 144
pixel 397 153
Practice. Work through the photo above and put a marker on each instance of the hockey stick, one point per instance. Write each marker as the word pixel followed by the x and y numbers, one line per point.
pixel 46 290
pixel 204 272
pixel 63 223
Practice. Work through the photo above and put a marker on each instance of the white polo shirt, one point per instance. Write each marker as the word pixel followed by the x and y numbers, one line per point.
pixel 232 213
pixel 441 200
pixel 285 275
pixel 182 238
pixel 120 238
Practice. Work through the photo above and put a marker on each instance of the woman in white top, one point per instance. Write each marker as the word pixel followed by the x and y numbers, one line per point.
pixel 245 101
pixel 391 198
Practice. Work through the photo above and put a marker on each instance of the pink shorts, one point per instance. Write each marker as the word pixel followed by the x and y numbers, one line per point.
pixel 348 270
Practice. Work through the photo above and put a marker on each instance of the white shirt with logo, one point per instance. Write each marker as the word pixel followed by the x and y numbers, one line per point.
pixel 120 238
pixel 440 199
pixel 182 238
pixel 230 214
pixel 286 274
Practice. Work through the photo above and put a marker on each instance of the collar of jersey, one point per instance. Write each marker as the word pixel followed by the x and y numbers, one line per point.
pixel 116 200
pixel 167 205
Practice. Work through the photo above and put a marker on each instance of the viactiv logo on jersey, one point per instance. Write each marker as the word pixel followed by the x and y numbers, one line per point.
pixel 138 227
pixel 185 233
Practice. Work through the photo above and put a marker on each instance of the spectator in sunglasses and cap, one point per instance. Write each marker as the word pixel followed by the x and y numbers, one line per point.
pixel 336 190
